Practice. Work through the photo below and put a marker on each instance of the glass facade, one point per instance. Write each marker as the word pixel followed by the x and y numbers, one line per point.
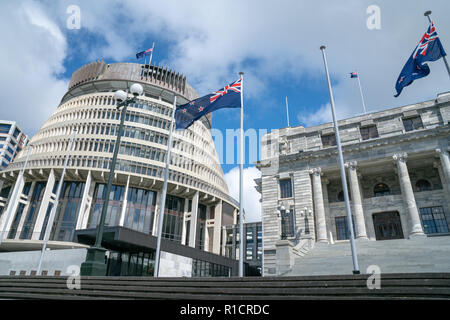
pixel 140 210
pixel 173 218
pixel 35 203
pixel 114 205
pixel 67 212
pixel 208 269
pixel 139 264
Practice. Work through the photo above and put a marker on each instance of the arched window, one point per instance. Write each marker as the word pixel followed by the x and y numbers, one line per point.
pixel 423 185
pixel 381 189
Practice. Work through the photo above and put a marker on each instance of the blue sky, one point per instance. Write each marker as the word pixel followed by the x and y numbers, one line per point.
pixel 276 44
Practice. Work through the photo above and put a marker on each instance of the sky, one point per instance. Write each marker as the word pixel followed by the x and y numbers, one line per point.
pixel 275 43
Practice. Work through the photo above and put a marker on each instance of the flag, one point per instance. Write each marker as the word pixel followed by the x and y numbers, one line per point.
pixel 428 49
pixel 353 75
pixel 227 97
pixel 144 53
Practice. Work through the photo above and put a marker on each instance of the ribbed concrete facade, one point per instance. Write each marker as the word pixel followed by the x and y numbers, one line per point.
pixel 398 175
pixel 198 200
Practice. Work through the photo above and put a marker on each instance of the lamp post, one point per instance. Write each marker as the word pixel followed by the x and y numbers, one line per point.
pixel 95 260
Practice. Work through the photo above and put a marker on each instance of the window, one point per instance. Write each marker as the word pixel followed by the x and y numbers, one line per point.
pixel 369 132
pixel 423 185
pixel 340 196
pixel 4 128
pixel 342 230
pixel 381 189
pixel 328 140
pixel 433 220
pixel 287 223
pixel 414 123
pixel 285 188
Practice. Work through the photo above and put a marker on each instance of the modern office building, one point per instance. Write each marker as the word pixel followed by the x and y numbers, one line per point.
pixel 12 141
pixel 198 203
pixel 252 246
pixel 398 173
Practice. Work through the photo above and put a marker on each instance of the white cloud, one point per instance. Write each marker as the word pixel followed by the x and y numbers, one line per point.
pixel 251 204
pixel 30 61
pixel 210 43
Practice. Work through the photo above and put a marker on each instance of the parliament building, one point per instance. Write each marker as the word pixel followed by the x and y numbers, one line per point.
pixel 398 174
pixel 198 205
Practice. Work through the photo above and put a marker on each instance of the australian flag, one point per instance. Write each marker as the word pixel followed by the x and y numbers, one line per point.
pixel 353 75
pixel 227 97
pixel 428 49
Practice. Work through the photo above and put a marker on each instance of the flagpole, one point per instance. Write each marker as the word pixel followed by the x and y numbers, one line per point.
pixel 16 190
pixel 55 204
pixel 162 203
pixel 360 91
pixel 341 164
pixel 287 111
pixel 241 184
pixel 427 14
pixel 151 54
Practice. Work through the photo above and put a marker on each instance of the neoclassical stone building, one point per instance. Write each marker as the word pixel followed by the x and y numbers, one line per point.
pixel 398 173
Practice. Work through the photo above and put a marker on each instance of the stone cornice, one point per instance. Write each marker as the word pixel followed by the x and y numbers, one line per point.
pixel 371 144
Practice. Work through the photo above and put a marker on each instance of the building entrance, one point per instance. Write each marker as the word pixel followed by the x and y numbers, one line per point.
pixel 387 225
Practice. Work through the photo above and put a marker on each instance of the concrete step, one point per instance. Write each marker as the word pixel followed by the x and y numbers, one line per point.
pixel 395 286
pixel 421 254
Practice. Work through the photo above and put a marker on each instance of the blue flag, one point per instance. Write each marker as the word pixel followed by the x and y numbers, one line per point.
pixel 428 49
pixel 144 53
pixel 227 97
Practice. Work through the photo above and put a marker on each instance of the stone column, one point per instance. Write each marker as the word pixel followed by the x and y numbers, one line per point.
pixel 445 164
pixel 86 201
pixel 185 213
pixel 5 221
pixel 356 201
pixel 408 195
pixel 217 227
pixel 25 209
pixel 46 200
pixel 193 231
pixel 124 204
pixel 156 215
pixel 319 208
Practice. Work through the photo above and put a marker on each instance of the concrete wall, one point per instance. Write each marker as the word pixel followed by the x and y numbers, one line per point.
pixel 54 260
pixel 173 265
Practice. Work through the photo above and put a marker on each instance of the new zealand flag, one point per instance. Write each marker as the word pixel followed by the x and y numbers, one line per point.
pixel 227 97
pixel 428 49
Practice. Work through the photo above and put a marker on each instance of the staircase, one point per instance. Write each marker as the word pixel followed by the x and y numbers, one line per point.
pixel 393 286
pixel 415 255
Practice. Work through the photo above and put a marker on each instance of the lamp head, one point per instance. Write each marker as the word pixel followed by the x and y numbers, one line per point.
pixel 136 89
pixel 120 95
pixel 322 47
pixel 427 13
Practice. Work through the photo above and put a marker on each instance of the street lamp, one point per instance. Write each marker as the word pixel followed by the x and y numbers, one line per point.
pixel 95 258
